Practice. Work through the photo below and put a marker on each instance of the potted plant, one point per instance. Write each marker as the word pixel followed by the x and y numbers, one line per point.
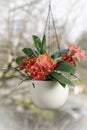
pixel 49 75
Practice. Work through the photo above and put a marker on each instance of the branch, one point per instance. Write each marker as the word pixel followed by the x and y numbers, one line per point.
pixel 27 4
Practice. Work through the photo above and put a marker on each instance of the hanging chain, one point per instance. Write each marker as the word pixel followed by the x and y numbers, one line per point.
pixel 49 28
pixel 58 45
pixel 48 22
pixel 47 19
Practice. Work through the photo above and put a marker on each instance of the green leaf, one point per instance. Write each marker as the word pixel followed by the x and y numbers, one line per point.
pixel 30 52
pixel 64 85
pixel 37 43
pixel 66 67
pixel 43 47
pixel 35 53
pixel 58 53
pixel 19 59
pixel 76 77
pixel 65 74
pixel 64 51
pixel 61 79
pixel 43 51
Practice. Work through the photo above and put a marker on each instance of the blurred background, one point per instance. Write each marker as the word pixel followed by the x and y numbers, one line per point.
pixel 19 20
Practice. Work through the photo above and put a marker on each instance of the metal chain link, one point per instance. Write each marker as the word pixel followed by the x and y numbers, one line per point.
pixel 49 27
pixel 58 44
pixel 48 22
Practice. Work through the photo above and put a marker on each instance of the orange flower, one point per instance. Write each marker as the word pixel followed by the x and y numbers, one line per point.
pixel 68 57
pixel 38 68
pixel 27 63
pixel 76 52
pixel 46 60
pixel 80 55
pixel 43 66
pixel 74 48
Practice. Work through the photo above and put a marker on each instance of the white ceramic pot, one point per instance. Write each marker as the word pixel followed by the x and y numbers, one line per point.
pixel 48 94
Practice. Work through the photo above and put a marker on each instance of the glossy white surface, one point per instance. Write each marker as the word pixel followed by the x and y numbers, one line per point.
pixel 48 94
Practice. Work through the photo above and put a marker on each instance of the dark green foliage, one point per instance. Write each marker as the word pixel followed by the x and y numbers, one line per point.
pixel 43 47
pixel 58 53
pixel 37 43
pixel 40 45
pixel 19 59
pixel 66 67
pixel 30 52
pixel 61 79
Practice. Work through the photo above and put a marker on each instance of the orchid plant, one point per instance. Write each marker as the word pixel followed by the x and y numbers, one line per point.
pixel 38 64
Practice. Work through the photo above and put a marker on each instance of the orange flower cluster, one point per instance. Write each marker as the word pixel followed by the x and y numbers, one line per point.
pixel 68 57
pixel 38 68
pixel 75 52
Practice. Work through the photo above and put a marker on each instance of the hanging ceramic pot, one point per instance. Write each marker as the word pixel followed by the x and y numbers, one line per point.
pixel 48 94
